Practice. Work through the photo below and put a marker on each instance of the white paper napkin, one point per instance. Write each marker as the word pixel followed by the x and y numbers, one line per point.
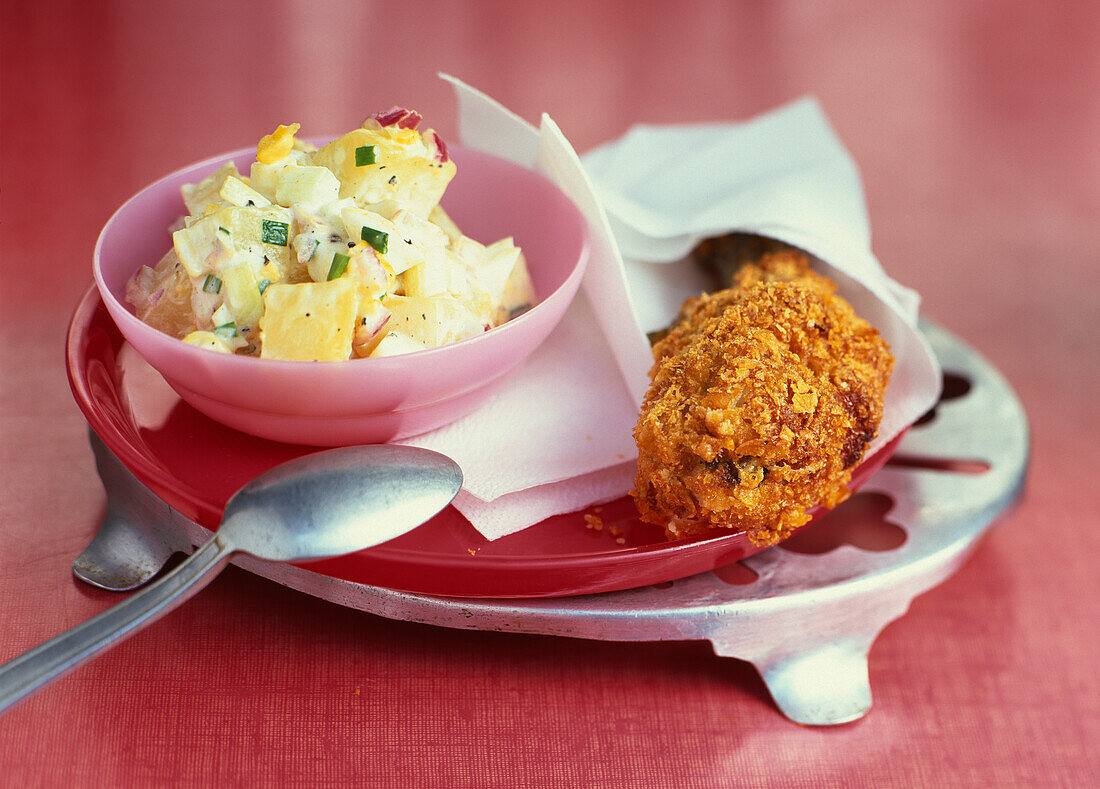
pixel 784 175
pixel 558 436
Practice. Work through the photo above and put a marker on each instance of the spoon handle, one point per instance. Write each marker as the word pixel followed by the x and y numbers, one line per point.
pixel 23 675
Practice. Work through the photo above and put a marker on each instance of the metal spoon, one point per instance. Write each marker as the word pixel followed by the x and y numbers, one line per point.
pixel 139 532
pixel 321 505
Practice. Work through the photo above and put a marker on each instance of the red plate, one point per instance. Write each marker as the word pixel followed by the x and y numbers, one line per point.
pixel 195 465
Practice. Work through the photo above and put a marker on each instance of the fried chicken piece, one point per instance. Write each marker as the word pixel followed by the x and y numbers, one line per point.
pixel 787 265
pixel 763 398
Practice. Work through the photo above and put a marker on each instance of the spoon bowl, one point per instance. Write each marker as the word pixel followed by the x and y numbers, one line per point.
pixel 317 506
pixel 335 502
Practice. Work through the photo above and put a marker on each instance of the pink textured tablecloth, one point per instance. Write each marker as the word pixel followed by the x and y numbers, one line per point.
pixel 976 129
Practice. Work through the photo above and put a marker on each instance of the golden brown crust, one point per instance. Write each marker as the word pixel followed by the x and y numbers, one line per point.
pixel 763 398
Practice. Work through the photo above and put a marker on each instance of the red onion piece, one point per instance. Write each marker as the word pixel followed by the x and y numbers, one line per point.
pixel 441 152
pixel 368 336
pixel 400 117
pixel 140 290
pixel 377 326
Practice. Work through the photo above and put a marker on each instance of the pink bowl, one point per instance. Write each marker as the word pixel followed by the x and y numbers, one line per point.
pixel 363 400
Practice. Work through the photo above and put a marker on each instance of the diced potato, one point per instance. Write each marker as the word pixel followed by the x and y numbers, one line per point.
pixel 316 243
pixel 198 196
pixel 355 219
pixel 394 343
pixel 500 270
pixel 266 231
pixel 370 326
pixel 241 290
pixel 398 252
pixel 434 320
pixel 324 256
pixel 310 187
pixel 161 296
pixel 418 230
pixel 372 275
pixel 270 272
pixel 225 328
pixel 222 317
pixel 384 208
pixel 203 305
pixel 443 221
pixel 428 278
pixel 208 340
pixel 519 293
pixel 265 178
pixel 439 275
pixel 237 192
pixel 311 321
pixel 194 245
pixel 469 251
pixel 404 169
pixel 496 267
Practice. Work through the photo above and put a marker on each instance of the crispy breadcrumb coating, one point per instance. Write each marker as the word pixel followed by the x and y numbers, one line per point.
pixel 764 396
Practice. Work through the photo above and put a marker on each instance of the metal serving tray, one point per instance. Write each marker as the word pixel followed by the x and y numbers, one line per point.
pixel 807 621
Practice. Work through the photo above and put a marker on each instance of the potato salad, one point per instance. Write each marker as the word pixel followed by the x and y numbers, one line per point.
pixel 330 254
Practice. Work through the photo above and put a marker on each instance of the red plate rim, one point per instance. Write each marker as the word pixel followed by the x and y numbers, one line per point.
pixel 92 346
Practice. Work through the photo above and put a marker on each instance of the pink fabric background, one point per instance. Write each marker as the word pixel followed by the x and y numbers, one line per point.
pixel 976 127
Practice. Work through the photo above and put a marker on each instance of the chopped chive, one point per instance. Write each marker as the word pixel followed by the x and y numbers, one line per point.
pixel 275 232
pixel 522 308
pixel 263 283
pixel 223 230
pixel 376 238
pixel 339 264
pixel 212 284
pixel 226 331
pixel 364 155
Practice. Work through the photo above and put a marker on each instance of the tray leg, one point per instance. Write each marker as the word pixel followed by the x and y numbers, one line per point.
pixel 822 686
pixel 814 661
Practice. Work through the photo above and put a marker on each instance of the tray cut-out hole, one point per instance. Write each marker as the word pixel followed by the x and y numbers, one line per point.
pixel 953 465
pixel 955 385
pixel 860 521
pixel 735 574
